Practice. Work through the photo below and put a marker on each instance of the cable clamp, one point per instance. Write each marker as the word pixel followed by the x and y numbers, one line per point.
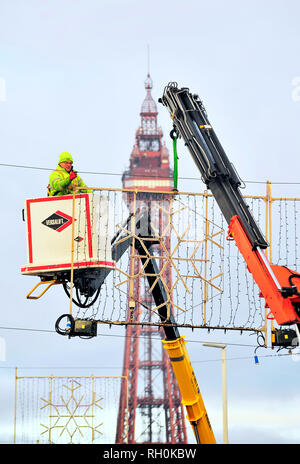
pixel 205 126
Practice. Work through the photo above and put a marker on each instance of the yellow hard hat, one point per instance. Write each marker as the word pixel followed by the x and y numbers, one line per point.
pixel 65 156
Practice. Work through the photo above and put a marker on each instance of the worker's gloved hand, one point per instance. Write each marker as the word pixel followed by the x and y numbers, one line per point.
pixel 73 175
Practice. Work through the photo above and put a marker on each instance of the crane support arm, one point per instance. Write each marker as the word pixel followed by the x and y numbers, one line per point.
pixel 178 355
pixel 281 298
pixel 279 286
pixel 174 343
pixel 189 389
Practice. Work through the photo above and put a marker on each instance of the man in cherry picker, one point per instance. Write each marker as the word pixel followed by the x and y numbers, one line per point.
pixel 63 179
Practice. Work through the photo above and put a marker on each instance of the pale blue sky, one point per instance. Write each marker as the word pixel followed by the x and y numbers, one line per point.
pixel 74 76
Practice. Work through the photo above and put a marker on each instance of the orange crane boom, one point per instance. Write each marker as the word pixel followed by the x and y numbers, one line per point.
pixel 279 286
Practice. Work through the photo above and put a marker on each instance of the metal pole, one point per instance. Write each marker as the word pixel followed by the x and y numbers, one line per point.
pixel 72 251
pixel 224 388
pixel 205 257
pixel 15 413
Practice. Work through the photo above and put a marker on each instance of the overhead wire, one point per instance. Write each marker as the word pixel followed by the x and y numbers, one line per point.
pixel 239 358
pixel 119 174
pixel 27 329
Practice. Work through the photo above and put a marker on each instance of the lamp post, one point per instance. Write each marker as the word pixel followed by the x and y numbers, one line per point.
pixel 224 387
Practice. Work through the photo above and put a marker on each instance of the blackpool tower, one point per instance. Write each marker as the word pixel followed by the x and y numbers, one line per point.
pixel 150 409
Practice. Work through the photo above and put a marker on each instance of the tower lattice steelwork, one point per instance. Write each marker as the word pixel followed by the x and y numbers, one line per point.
pixel 154 412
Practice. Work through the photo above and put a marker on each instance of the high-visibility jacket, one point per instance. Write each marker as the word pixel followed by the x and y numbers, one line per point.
pixel 60 184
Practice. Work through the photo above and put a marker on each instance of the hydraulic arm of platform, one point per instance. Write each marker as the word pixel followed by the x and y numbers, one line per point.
pixel 173 343
pixel 279 286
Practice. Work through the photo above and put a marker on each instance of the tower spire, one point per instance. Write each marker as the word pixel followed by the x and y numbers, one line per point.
pixel 148 59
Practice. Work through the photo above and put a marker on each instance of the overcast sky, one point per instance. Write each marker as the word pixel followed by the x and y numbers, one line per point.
pixel 72 79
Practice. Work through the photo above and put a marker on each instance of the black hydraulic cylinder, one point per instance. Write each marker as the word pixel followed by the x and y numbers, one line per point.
pixel 217 172
pixel 159 294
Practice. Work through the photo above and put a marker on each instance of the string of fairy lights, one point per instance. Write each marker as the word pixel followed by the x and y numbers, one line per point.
pixel 31 167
